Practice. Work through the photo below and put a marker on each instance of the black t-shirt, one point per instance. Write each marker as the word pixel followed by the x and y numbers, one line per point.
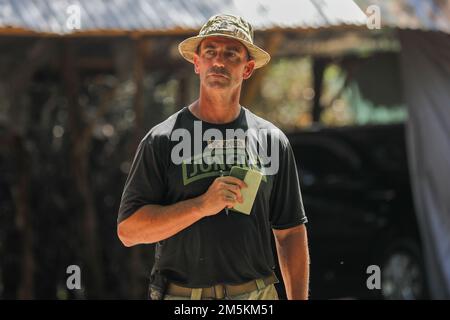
pixel 222 248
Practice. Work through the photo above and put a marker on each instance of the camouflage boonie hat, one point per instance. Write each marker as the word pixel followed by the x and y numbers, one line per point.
pixel 228 26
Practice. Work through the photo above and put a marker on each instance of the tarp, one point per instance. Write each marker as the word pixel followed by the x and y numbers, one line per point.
pixel 426 74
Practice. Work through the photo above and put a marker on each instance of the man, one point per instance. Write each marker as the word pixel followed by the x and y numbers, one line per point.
pixel 206 250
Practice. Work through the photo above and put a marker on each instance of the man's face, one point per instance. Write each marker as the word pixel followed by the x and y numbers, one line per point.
pixel 222 63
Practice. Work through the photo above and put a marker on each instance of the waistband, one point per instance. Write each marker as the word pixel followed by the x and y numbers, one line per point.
pixel 221 291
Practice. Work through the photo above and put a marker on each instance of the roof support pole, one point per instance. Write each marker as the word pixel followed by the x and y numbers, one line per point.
pixel 319 65
pixel 253 85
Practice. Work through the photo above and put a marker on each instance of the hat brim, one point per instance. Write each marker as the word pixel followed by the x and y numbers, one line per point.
pixel 188 47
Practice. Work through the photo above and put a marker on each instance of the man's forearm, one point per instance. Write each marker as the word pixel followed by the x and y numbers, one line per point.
pixel 293 256
pixel 153 223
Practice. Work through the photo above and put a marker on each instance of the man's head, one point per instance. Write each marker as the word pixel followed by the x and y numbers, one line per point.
pixel 230 27
pixel 222 62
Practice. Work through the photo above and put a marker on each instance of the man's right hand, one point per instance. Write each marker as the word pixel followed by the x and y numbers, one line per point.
pixel 223 192
pixel 152 223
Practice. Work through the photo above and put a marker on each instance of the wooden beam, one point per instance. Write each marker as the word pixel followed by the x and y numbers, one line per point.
pixel 80 131
pixel 253 84
pixel 24 224
pixel 138 47
pixel 138 79
pixel 122 58
pixel 18 83
pixel 319 65
pixel 183 91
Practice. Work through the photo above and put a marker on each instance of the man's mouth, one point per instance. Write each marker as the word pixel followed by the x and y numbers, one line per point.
pixel 218 75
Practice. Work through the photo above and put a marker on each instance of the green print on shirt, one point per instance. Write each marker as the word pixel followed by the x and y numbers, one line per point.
pixel 204 166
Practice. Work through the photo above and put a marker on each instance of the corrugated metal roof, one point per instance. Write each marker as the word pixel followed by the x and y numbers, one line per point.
pixel 51 16
pixel 431 15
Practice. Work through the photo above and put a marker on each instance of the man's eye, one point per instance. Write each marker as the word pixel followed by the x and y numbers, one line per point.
pixel 232 55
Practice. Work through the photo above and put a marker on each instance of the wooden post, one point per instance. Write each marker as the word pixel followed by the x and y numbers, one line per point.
pixel 183 91
pixel 22 198
pixel 319 65
pixel 81 138
pixel 36 57
pixel 253 84
pixel 136 265
pixel 138 79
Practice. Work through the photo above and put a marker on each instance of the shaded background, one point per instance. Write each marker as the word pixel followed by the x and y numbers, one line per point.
pixel 75 103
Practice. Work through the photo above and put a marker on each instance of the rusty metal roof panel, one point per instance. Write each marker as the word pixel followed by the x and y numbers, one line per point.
pixel 51 16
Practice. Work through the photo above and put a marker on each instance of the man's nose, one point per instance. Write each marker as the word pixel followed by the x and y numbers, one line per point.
pixel 219 60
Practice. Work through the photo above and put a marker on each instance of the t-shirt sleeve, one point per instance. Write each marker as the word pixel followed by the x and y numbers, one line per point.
pixel 145 183
pixel 286 204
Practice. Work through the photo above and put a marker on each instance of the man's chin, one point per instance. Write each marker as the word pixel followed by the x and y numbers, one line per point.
pixel 218 84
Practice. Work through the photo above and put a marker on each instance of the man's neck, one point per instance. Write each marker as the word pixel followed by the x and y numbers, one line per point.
pixel 216 108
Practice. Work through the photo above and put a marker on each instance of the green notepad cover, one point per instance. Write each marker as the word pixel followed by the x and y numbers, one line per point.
pixel 253 179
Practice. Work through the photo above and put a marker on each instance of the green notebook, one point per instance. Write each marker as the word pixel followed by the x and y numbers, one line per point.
pixel 253 179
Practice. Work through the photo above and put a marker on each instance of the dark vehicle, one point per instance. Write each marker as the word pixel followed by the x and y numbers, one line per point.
pixel 357 195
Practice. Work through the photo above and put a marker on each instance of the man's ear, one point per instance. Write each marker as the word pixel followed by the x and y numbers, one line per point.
pixel 196 69
pixel 248 70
